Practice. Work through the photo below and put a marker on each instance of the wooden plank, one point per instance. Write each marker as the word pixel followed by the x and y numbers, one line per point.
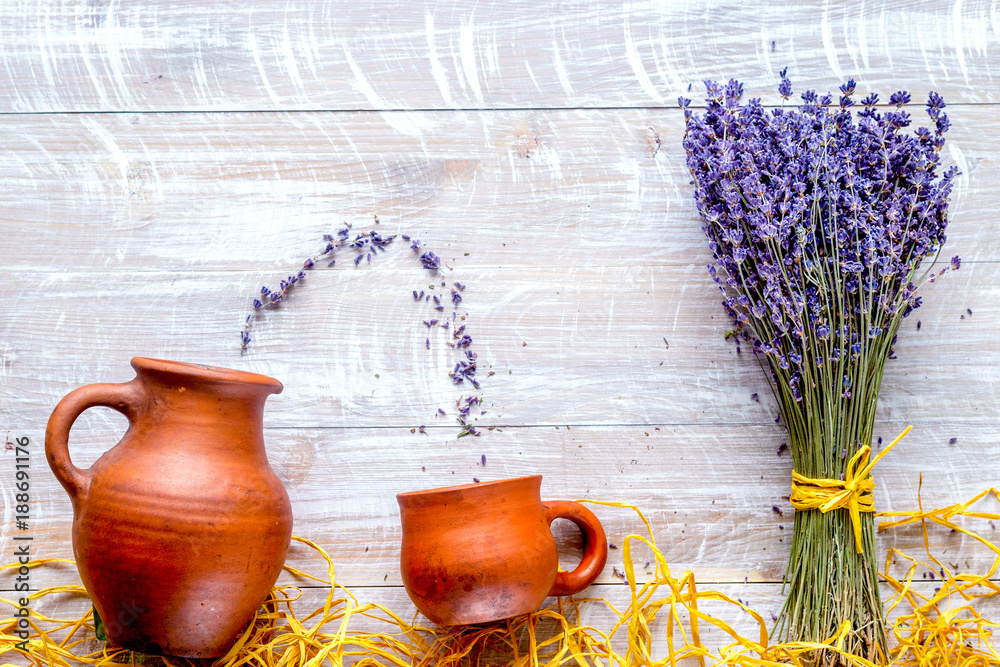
pixel 571 346
pixel 568 346
pixel 763 598
pixel 512 189
pixel 123 56
pixel 707 489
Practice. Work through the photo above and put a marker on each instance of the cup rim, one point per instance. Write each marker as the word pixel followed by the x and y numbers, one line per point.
pixel 211 373
pixel 463 487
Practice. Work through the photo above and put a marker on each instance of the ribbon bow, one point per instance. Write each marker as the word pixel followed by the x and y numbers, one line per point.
pixel 854 492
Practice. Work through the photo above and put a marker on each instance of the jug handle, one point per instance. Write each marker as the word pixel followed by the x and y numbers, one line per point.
pixel 124 397
pixel 595 546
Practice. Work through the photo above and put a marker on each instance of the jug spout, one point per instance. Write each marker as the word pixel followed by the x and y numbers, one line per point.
pixel 177 374
pixel 213 406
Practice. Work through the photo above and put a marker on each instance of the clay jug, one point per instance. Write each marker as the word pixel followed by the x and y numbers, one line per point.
pixel 181 529
pixel 483 552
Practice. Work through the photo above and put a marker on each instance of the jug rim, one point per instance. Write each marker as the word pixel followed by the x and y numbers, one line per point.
pixel 464 487
pixel 212 373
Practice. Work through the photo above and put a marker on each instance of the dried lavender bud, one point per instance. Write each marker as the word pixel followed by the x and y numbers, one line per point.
pixel 430 261
pixel 785 87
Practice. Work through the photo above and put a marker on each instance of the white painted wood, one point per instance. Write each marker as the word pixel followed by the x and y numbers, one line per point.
pixel 134 56
pixel 578 345
pixel 707 489
pixel 536 149
pixel 513 189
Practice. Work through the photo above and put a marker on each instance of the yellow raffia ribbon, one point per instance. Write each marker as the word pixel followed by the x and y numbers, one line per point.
pixel 854 492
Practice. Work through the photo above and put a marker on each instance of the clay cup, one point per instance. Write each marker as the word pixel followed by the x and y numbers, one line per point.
pixel 484 552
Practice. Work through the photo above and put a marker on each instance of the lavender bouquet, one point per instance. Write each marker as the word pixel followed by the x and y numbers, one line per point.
pixel 818 219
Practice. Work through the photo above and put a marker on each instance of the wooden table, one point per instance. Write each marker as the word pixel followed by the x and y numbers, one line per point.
pixel 161 161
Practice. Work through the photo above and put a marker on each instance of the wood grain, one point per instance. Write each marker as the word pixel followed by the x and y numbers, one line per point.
pixel 572 346
pixel 707 489
pixel 130 56
pixel 162 161
pixel 512 189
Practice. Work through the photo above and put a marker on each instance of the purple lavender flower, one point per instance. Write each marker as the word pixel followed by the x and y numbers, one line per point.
pixel 785 87
pixel 801 203
pixel 819 219
pixel 430 261
pixel 899 99
pixel 367 244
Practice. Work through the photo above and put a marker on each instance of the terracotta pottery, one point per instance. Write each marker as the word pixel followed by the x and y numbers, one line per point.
pixel 181 529
pixel 484 552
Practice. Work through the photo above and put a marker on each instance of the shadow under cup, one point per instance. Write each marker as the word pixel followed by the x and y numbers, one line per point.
pixel 483 552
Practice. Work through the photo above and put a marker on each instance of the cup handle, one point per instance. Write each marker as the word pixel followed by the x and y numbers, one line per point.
pixel 124 397
pixel 595 546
